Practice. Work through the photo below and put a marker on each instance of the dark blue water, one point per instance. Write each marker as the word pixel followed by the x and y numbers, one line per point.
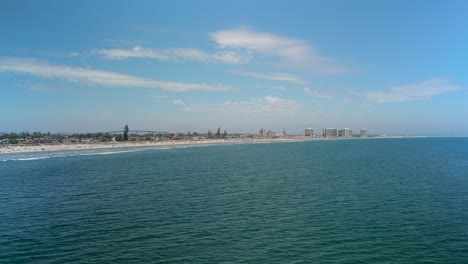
pixel 347 201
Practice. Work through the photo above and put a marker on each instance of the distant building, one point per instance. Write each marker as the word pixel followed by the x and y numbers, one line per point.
pixel 309 132
pixel 278 134
pixel 363 133
pixel 345 132
pixel 330 132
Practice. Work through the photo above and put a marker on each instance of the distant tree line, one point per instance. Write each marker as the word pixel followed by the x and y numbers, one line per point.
pixel 39 137
pixel 218 134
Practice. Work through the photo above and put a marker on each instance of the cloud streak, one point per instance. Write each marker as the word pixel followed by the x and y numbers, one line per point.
pixel 178 102
pixel 97 77
pixel 239 46
pixel 282 77
pixel 417 91
pixel 286 51
pixel 256 106
pixel 176 54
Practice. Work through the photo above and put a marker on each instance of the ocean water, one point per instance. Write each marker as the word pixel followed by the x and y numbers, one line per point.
pixel 343 201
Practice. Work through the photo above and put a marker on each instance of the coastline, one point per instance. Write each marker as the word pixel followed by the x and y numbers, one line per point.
pixel 50 148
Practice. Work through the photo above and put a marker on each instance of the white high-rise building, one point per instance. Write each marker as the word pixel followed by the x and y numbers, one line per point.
pixel 330 132
pixel 345 132
pixel 363 133
pixel 309 132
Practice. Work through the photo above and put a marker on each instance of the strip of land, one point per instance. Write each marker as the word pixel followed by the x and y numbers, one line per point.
pixel 139 144
pixel 12 149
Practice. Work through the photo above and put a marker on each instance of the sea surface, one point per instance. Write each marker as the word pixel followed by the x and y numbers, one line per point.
pixel 338 201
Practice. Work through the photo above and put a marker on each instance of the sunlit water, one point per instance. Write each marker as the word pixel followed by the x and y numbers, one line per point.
pixel 344 201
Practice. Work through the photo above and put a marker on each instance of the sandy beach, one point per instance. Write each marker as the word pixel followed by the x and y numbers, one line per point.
pixel 16 149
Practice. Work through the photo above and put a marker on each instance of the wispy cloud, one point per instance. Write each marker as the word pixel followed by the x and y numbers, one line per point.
pixel 178 102
pixel 98 77
pixel 243 45
pixel 176 54
pixel 135 52
pixel 417 91
pixel 317 94
pixel 287 51
pixel 266 105
pixel 283 77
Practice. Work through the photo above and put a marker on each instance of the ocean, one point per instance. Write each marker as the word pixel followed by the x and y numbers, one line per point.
pixel 340 201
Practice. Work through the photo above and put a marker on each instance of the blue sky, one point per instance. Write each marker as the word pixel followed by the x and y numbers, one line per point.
pixel 393 67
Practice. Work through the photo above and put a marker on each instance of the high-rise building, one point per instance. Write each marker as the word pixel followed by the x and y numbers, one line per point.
pixel 345 132
pixel 330 132
pixel 309 132
pixel 363 133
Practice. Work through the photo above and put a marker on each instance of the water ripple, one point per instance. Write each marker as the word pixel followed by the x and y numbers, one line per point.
pixel 373 201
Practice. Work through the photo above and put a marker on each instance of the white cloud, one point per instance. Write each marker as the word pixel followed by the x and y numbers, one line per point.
pixel 97 77
pixel 284 77
pixel 176 54
pixel 135 52
pixel 275 100
pixel 243 45
pixel 178 102
pixel 267 105
pixel 417 91
pixel 317 94
pixel 288 51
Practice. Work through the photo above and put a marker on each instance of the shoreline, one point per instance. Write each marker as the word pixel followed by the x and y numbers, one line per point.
pixel 50 148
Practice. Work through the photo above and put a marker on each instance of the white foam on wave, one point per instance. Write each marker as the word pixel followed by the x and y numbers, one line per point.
pixel 33 158
pixel 109 152
pixel 76 153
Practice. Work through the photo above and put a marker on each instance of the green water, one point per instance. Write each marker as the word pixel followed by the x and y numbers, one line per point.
pixel 347 201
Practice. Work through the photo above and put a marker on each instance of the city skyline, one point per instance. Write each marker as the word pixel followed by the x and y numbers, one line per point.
pixel 392 67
